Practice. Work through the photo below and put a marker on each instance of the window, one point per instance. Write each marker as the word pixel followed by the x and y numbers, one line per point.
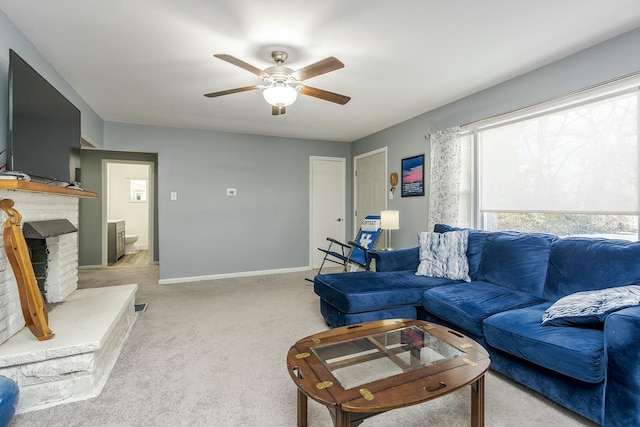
pixel 572 170
pixel 138 190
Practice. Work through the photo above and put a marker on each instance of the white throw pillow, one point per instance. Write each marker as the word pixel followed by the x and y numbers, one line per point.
pixel 444 255
pixel 590 308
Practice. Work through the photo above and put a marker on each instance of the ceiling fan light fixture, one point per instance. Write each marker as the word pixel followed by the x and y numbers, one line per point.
pixel 282 84
pixel 280 95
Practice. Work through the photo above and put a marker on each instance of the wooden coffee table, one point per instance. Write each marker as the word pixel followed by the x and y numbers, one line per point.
pixel 362 370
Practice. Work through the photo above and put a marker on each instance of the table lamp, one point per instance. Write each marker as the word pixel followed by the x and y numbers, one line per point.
pixel 389 220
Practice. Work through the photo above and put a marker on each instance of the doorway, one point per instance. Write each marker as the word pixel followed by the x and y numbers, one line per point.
pixel 327 204
pixel 370 188
pixel 129 197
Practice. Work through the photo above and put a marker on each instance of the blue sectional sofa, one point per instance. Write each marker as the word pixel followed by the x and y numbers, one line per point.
pixel 589 366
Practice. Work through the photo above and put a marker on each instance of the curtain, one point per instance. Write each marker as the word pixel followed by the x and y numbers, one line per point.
pixel 444 190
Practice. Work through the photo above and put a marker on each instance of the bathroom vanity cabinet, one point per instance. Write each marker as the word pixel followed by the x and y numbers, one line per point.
pixel 115 233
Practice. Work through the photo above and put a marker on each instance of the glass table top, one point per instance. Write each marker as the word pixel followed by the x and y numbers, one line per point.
pixel 379 356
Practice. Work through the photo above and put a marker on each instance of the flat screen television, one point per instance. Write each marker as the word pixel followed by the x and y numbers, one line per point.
pixel 44 127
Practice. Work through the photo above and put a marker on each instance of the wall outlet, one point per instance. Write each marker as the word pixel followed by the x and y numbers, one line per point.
pixel 231 191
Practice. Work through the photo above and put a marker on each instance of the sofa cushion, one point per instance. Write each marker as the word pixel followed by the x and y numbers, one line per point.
pixel 516 260
pixel 368 290
pixel 444 255
pixel 396 260
pixel 575 352
pixel 467 305
pixel 475 242
pixel 336 318
pixel 581 264
pixel 590 308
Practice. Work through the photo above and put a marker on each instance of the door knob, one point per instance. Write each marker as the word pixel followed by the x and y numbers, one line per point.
pixel 339 219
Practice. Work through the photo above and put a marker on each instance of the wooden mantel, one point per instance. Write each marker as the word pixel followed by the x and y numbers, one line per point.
pixel 21 185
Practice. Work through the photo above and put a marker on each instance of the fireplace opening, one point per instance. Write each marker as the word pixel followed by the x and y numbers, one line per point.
pixel 49 255
pixel 38 254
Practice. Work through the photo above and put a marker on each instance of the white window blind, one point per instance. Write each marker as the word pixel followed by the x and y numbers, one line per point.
pixel 583 159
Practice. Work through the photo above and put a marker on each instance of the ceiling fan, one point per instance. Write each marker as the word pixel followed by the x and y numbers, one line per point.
pixel 282 84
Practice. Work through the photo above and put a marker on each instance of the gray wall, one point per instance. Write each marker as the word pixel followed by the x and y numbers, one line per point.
pixel 614 58
pixel 265 226
pixel 90 227
pixel 205 232
pixel 12 38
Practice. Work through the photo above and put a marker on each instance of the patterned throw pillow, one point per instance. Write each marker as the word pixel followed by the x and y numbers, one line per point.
pixel 590 308
pixel 444 255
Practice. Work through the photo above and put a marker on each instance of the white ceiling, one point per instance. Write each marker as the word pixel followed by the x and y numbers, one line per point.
pixel 151 61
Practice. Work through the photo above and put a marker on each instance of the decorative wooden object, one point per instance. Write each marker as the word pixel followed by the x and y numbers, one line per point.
pixel 34 309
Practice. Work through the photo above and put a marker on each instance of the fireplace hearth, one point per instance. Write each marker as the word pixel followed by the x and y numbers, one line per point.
pixel 91 325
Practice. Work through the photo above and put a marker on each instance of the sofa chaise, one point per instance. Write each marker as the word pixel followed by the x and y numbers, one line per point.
pixel 583 356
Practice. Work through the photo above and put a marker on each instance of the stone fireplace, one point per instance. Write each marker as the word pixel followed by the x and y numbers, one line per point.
pixel 90 325
pixel 33 207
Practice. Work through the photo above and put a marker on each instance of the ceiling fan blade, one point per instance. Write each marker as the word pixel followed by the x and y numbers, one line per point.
pixel 278 111
pixel 321 67
pixel 240 63
pixel 325 94
pixel 230 91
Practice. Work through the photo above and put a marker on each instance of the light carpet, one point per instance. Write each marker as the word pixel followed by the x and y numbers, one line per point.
pixel 213 353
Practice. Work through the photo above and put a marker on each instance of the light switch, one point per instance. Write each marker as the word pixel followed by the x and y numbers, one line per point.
pixel 174 195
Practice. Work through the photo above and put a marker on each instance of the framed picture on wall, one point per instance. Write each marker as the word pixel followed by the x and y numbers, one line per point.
pixel 413 176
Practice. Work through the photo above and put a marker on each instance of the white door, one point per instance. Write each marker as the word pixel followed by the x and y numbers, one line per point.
pixel 328 187
pixel 370 187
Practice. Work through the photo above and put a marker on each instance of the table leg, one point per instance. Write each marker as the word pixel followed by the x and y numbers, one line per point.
pixel 302 409
pixel 343 419
pixel 477 403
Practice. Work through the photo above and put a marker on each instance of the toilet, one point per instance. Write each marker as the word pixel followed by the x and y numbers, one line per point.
pixel 129 244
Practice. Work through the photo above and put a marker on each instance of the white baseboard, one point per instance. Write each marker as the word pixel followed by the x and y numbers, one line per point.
pixel 90 267
pixel 231 275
